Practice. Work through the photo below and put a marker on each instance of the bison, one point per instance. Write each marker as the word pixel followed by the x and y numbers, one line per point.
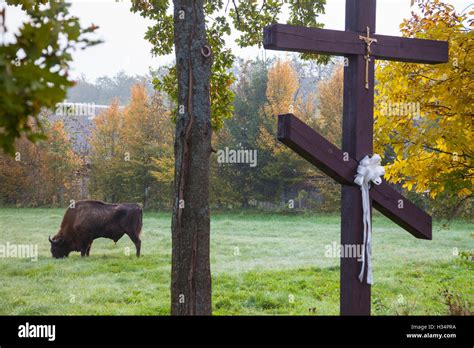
pixel 90 220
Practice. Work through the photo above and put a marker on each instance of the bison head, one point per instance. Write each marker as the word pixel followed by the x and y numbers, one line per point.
pixel 59 247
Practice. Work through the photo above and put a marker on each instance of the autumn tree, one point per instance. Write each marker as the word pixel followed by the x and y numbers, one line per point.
pixel 57 164
pixel 107 155
pixel 129 148
pixel 40 174
pixel 424 113
pixel 330 94
pixel 147 139
pixel 281 89
pixel 276 159
pixel 17 174
pixel 329 124
pixel 162 161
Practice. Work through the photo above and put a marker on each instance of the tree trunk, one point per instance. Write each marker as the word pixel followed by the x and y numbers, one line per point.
pixel 190 271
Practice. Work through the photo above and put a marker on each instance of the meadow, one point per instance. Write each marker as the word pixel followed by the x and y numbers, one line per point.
pixel 262 264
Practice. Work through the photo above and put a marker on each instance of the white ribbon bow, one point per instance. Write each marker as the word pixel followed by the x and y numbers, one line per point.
pixel 369 170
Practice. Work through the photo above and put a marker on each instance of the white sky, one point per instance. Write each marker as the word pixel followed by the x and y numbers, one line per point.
pixel 124 47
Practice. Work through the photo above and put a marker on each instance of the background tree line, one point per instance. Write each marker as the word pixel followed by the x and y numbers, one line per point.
pixel 129 155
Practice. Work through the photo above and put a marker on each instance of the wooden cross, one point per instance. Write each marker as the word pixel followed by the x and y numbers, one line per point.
pixel 357 140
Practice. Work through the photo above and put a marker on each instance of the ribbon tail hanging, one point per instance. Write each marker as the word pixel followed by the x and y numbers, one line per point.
pixel 369 170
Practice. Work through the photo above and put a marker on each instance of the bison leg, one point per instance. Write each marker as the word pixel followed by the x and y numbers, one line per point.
pixel 88 251
pixel 86 248
pixel 138 243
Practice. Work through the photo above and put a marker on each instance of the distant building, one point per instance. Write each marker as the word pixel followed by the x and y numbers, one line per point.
pixel 78 119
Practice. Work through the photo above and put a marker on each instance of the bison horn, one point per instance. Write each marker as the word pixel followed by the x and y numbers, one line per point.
pixel 51 240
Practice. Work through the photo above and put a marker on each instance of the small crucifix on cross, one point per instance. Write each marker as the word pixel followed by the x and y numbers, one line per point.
pixel 368 41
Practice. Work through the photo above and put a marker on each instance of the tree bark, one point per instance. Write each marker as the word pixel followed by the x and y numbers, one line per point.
pixel 190 271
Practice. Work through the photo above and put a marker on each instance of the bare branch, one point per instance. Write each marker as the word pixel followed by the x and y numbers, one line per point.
pixel 237 13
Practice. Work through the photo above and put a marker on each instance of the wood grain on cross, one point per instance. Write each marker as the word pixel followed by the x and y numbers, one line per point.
pixel 361 46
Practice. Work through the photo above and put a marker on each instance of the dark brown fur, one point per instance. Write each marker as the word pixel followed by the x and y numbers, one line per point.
pixel 90 220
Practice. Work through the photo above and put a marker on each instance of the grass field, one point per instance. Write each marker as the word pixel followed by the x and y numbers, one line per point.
pixel 261 264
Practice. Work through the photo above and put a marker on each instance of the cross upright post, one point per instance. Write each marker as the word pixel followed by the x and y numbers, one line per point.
pixel 357 135
pixel 360 44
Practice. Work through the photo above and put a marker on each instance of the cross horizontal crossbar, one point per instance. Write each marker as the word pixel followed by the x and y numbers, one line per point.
pixel 283 37
pixel 327 157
